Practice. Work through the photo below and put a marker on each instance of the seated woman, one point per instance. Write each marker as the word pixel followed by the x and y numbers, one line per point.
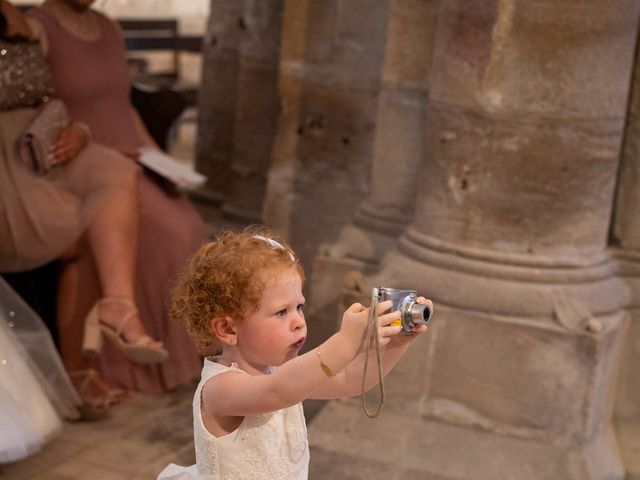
pixel 91 195
pixel 85 52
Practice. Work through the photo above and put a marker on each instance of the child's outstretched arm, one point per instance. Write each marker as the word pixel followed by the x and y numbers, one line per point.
pixel 239 394
pixel 348 383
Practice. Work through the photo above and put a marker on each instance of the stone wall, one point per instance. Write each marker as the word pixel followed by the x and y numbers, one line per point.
pixel 471 150
pixel 625 241
pixel 239 105
pixel 397 159
pixel 330 60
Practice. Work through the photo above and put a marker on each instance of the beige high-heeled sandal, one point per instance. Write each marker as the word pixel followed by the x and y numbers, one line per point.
pixel 142 350
pixel 97 398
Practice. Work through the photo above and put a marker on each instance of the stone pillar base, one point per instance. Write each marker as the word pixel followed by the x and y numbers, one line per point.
pixel 405 447
pixel 627 408
pixel 628 434
pixel 514 378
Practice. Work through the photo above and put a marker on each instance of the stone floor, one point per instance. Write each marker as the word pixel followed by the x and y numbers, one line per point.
pixel 136 442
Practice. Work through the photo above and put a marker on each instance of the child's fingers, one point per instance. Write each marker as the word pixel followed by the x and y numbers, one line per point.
pixel 384 306
pixel 424 301
pixel 419 329
pixel 388 318
pixel 385 334
pixel 389 331
pixel 356 308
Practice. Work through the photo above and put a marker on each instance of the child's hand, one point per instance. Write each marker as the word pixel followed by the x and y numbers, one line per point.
pixel 386 331
pixel 355 319
pixel 415 331
pixel 354 325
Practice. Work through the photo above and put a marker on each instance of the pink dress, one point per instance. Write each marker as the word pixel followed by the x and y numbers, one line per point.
pixel 92 79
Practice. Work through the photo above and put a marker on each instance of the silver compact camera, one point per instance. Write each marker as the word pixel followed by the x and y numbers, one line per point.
pixel 411 312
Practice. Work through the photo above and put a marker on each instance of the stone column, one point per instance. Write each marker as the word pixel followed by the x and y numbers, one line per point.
pixel 397 157
pixel 239 105
pixel 330 64
pixel 217 98
pixel 256 110
pixel 515 378
pixel 626 245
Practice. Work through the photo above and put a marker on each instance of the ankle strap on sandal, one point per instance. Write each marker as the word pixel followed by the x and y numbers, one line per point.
pixel 117 301
pixel 133 310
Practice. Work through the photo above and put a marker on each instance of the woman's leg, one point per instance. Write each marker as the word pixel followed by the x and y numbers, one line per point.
pixel 78 290
pixel 113 238
pixel 112 235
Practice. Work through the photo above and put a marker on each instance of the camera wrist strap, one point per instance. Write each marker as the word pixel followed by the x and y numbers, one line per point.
pixel 372 331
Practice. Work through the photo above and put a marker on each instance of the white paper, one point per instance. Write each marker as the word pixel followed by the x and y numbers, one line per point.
pixel 168 167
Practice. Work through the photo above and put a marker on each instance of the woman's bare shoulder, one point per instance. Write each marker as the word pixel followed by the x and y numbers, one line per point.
pixel 39 33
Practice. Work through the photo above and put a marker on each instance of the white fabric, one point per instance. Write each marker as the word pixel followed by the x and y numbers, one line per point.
pixel 176 472
pixel 270 446
pixel 27 416
pixel 39 351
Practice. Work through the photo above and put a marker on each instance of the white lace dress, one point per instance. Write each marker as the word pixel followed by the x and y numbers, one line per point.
pixel 270 446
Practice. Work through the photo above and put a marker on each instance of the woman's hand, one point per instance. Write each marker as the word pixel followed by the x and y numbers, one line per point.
pixel 71 141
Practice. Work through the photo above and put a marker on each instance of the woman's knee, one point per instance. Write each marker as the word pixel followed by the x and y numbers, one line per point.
pixel 110 163
pixel 76 251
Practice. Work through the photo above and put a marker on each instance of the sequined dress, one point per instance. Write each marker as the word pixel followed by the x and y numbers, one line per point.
pixel 42 215
pixel 270 446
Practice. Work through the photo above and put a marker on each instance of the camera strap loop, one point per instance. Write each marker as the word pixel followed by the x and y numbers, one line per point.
pixel 372 331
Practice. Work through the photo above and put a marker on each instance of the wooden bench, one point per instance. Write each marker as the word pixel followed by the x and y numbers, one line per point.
pixel 160 35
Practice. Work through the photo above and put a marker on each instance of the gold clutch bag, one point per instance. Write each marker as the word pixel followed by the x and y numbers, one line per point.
pixel 41 134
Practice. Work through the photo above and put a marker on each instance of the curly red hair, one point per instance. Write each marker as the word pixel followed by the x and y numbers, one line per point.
pixel 226 277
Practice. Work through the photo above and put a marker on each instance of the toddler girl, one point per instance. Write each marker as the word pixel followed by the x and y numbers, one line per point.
pixel 241 297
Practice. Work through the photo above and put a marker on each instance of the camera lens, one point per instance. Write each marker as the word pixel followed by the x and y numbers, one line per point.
pixel 420 314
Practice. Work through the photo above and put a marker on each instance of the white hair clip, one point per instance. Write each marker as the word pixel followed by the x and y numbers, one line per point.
pixel 277 245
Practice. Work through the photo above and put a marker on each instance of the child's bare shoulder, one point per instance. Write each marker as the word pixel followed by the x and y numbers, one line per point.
pixel 218 382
